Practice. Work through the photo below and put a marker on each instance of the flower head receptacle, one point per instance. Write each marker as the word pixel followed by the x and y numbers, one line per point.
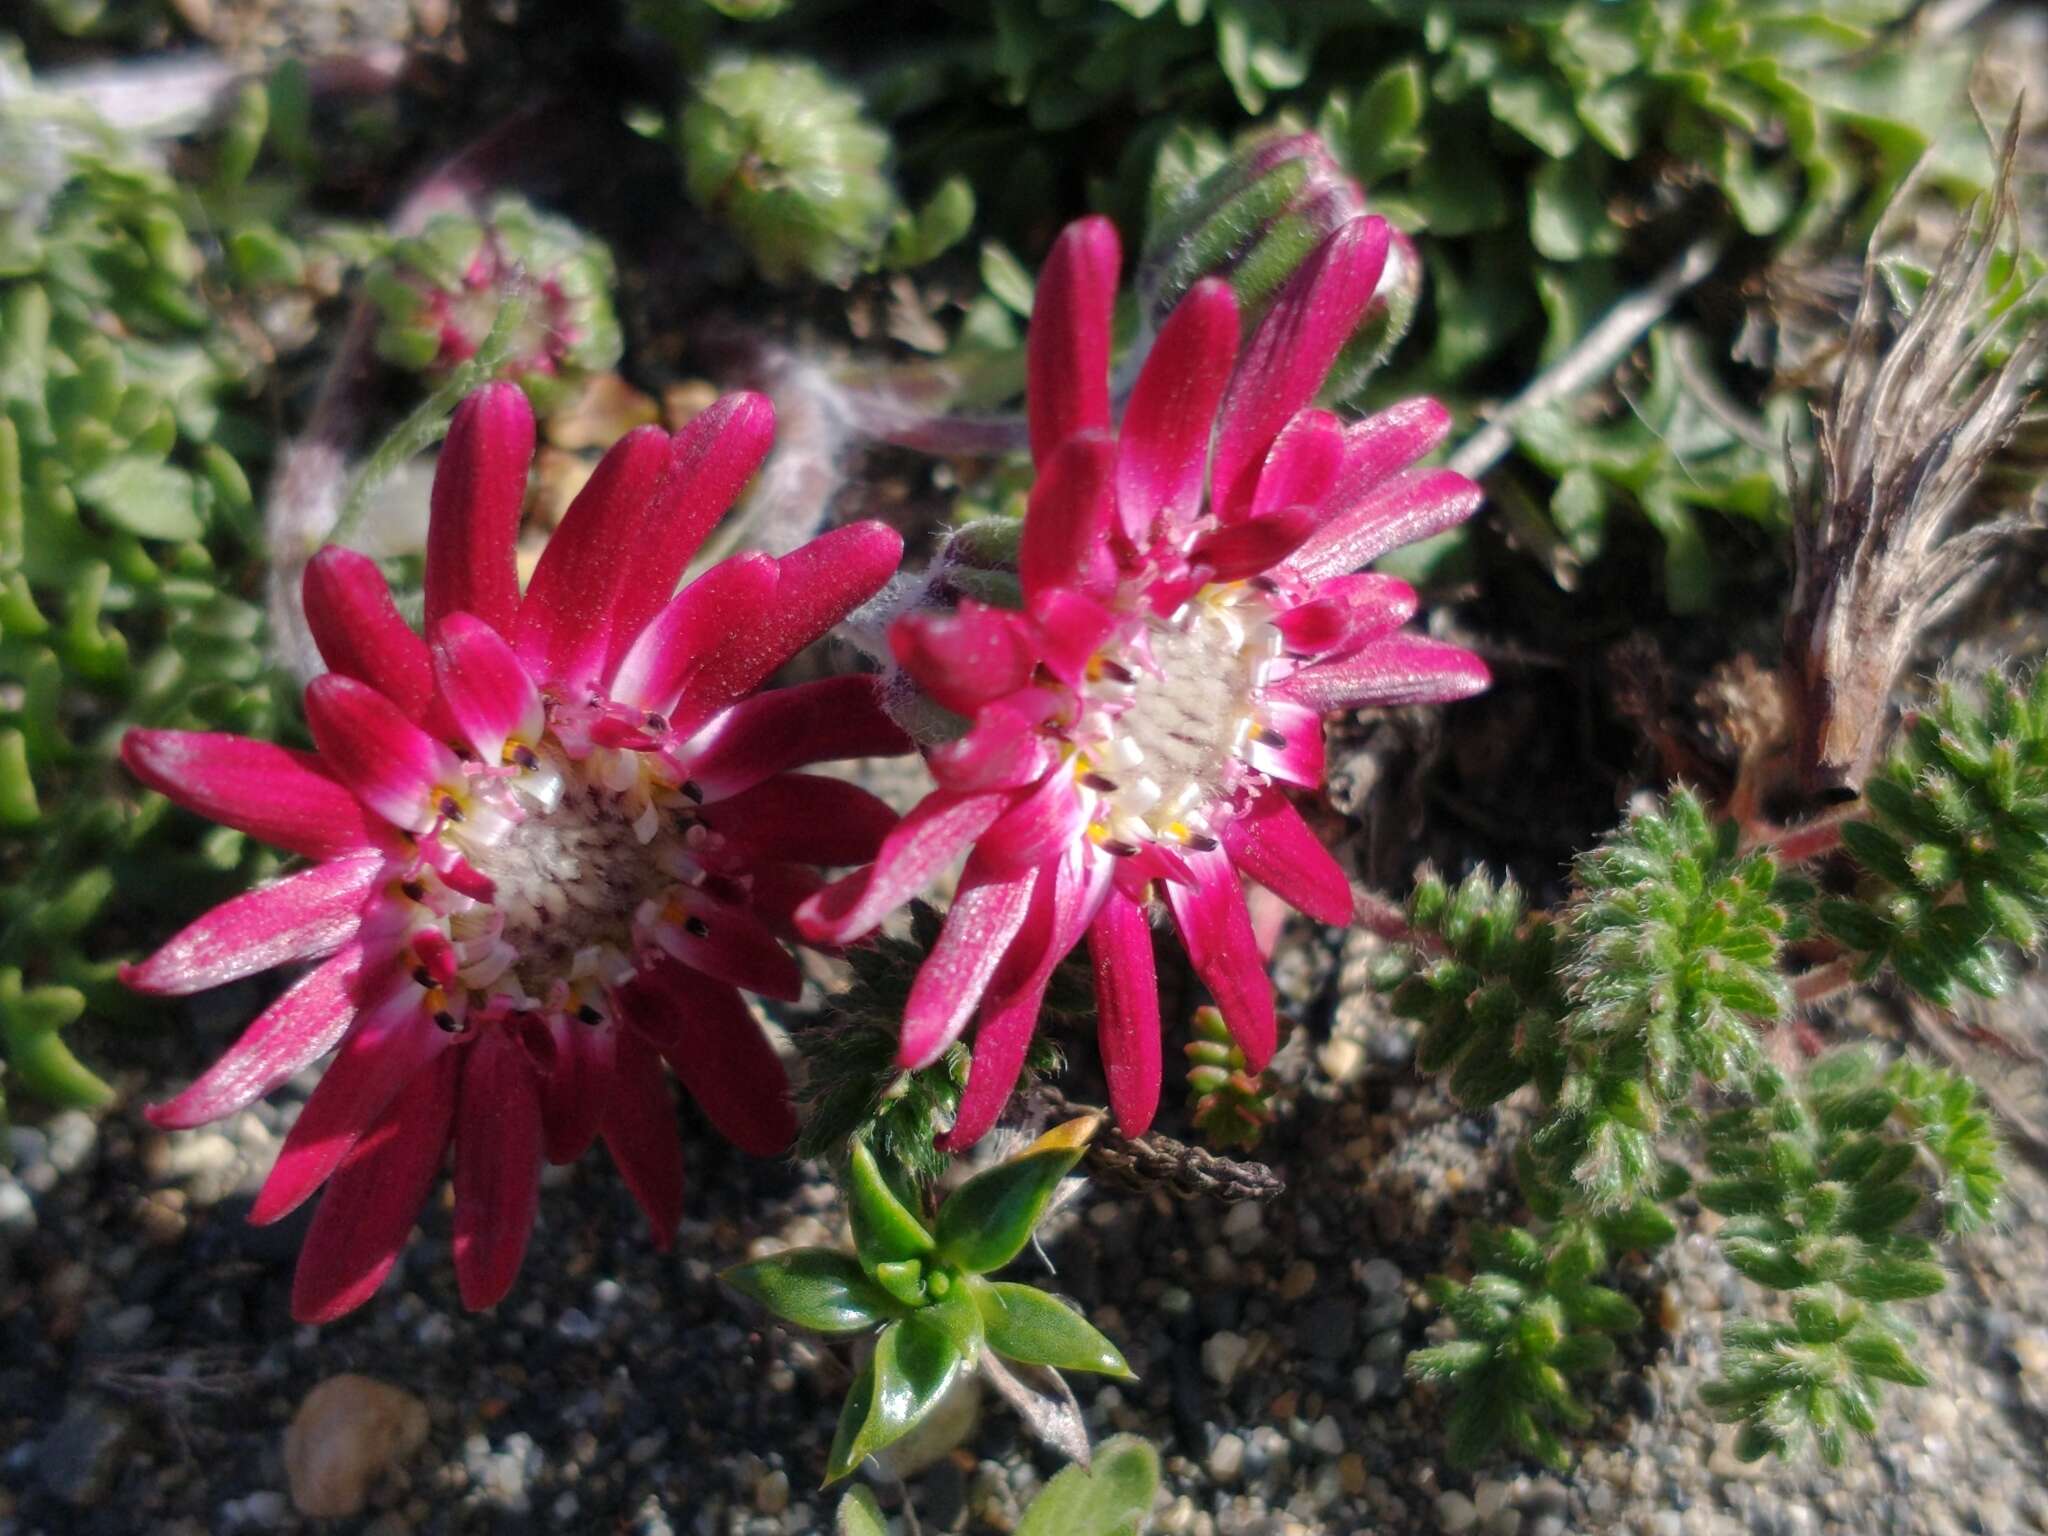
pixel 554 841
pixel 1191 604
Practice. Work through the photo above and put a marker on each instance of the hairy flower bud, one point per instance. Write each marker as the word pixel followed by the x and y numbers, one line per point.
pixel 440 292
pixel 1253 220
pixel 788 161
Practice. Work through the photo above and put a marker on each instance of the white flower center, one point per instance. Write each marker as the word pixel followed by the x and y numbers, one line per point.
pixel 570 876
pixel 589 857
pixel 1168 715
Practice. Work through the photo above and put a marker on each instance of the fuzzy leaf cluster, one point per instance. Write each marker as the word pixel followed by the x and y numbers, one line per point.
pixel 1483 983
pixel 1533 1316
pixel 1823 1181
pixel 1953 849
pixel 919 1284
pixel 1673 962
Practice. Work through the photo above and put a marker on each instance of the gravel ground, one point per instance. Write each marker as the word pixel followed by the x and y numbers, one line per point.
pixel 150 1369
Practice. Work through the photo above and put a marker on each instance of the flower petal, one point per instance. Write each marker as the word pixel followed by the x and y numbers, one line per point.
pixel 1401 669
pixel 1068 521
pixel 966 657
pixel 497 1166
pixel 1127 1011
pixel 1301 466
pixel 369 1208
pixel 1386 442
pixel 292 1033
pixel 1005 750
pixel 1290 748
pixel 987 911
pixel 817 585
pixel 692 630
pixel 1163 445
pixel 1067 348
pixel 924 842
pixel 1039 826
pixel 1065 902
pixel 1290 355
pixel 1345 613
pixel 703 1030
pixel 479 488
pixel 1071 629
pixel 278 796
pixel 1244 549
pixel 575 1087
pixel 394 767
pixel 1217 930
pixel 710 462
pixel 728 943
pixel 313 912
pixel 360 633
pixel 1271 843
pixel 388 1046
pixel 485 687
pixel 564 629
pixel 803 818
pixel 640 1132
pixel 826 721
pixel 1399 511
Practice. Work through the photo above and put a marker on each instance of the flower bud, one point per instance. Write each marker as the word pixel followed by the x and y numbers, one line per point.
pixel 790 163
pixel 1253 220
pixel 440 292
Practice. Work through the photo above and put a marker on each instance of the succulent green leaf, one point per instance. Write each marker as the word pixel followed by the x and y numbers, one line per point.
pixel 1111 1497
pixel 1026 1324
pixel 885 1230
pixel 913 1365
pixel 987 1221
pixel 817 1288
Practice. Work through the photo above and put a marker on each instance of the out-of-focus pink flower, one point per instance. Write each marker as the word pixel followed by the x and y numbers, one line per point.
pixel 553 843
pixel 1190 613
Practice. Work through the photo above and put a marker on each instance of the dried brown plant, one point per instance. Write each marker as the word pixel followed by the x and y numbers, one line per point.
pixel 1884 536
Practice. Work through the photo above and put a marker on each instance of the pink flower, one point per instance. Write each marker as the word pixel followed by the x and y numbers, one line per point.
pixel 1189 615
pixel 553 843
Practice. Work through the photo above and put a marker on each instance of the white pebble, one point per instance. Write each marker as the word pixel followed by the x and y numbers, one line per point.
pixel 1455 1512
pixel 1223 1355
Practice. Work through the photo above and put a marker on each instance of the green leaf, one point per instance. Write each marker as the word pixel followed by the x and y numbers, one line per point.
pixel 1568 213
pixel 1113 1497
pixel 1538 107
pixel 1024 1323
pixel 913 1365
pixel 817 1288
pixel 885 1230
pixel 1004 276
pixel 988 1220
pixel 145 496
pixel 860 1515
pixel 1383 122
pixel 854 1413
pixel 953 1309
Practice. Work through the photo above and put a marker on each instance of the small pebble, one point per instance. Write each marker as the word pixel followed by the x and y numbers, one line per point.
pixel 1223 1354
pixel 1226 1459
pixel 1455 1512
